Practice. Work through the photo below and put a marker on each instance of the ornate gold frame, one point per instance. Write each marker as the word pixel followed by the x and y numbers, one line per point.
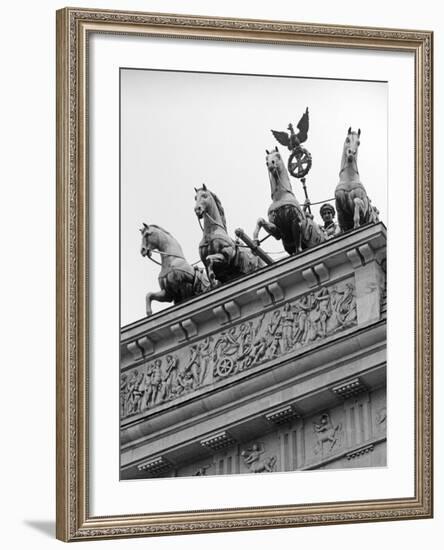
pixel 74 521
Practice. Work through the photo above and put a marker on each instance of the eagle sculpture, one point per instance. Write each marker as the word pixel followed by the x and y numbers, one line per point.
pixel 293 140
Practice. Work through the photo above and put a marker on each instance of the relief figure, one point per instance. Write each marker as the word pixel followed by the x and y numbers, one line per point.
pixel 315 315
pixel 254 461
pixel 325 433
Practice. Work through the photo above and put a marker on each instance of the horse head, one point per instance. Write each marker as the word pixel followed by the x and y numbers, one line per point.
pixel 152 238
pixel 279 180
pixel 274 162
pixel 203 200
pixel 351 146
pixel 209 205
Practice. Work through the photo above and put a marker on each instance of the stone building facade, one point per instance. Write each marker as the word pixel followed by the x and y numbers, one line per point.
pixel 283 369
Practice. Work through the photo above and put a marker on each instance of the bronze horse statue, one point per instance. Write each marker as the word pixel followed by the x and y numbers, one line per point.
pixel 286 218
pixel 353 205
pixel 223 258
pixel 178 280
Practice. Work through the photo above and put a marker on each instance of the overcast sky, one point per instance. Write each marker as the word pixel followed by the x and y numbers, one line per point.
pixel 181 129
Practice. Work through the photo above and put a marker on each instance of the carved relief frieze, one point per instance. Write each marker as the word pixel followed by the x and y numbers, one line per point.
pixel 328 435
pixel 381 420
pixel 273 334
pixel 383 282
pixel 256 461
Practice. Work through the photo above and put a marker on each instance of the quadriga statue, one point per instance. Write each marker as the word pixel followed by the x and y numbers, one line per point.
pixel 286 218
pixel 178 280
pixel 223 258
pixel 353 205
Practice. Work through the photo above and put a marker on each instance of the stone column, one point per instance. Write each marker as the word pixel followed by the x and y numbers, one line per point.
pixel 348 423
pixel 282 450
pixel 236 459
pixel 367 417
pixel 229 464
pixel 356 406
pixel 292 450
pixel 220 465
pixel 300 444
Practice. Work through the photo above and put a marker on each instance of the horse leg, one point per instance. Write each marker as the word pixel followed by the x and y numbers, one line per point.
pixel 348 210
pixel 186 287
pixel 343 219
pixel 259 224
pixel 359 207
pixel 210 273
pixel 210 260
pixel 296 230
pixel 269 227
pixel 160 296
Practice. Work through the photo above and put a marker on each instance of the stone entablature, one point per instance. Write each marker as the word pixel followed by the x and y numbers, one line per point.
pixel 297 302
pixel 229 371
pixel 265 388
pixel 345 434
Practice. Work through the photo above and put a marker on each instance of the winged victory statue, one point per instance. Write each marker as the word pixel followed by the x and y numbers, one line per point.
pixel 299 162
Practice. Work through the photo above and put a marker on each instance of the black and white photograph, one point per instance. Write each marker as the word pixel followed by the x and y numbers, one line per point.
pixel 219 258
pixel 253 232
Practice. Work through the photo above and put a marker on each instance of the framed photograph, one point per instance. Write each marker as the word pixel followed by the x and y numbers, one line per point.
pixel 244 274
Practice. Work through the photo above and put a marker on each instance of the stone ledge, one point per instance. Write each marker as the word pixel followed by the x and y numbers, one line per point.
pixel 284 273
